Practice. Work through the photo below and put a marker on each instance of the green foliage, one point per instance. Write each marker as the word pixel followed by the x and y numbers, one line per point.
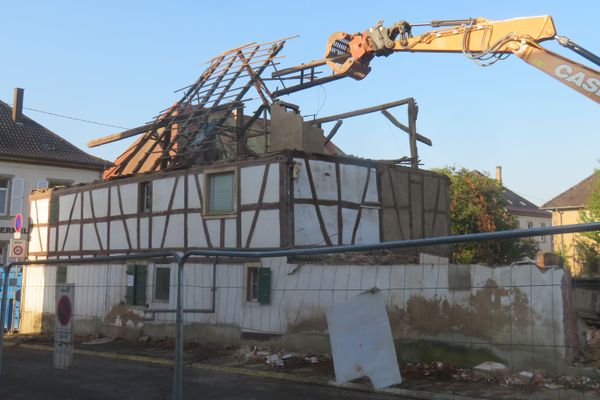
pixel 587 244
pixel 477 205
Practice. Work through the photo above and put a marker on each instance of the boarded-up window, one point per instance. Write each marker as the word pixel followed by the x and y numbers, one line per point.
pixel 162 282
pixel 221 193
pixel 61 274
pixel 136 284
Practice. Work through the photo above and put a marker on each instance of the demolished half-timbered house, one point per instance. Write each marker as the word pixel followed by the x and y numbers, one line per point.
pixel 232 165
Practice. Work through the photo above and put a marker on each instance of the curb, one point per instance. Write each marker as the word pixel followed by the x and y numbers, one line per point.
pixel 416 394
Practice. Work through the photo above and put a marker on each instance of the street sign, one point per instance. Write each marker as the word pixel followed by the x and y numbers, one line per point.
pixel 18 225
pixel 63 326
pixel 17 248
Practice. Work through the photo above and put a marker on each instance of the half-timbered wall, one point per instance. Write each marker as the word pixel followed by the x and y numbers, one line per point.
pixel 104 218
pixel 335 203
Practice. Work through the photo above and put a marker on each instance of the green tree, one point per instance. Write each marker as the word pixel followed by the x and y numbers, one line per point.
pixel 587 244
pixel 477 205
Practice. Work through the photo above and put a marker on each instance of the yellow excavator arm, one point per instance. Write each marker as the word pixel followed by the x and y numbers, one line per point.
pixel 479 39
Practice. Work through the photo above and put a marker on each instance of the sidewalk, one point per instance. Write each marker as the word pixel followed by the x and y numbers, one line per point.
pixel 420 380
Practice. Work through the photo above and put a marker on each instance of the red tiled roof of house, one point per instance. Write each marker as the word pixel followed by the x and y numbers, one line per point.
pixel 28 140
pixel 576 196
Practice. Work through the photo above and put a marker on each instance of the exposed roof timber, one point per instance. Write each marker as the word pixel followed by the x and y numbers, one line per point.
pixel 118 136
pixel 368 110
pixel 405 128
pixel 362 111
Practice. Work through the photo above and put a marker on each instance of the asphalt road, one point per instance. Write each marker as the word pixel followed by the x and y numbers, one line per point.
pixel 28 374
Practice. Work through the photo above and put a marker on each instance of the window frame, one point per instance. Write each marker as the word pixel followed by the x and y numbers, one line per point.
pixel 258 280
pixel 206 212
pixel 7 199
pixel 251 271
pixel 145 197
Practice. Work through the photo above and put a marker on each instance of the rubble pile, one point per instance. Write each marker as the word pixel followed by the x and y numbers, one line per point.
pixel 281 358
pixel 496 374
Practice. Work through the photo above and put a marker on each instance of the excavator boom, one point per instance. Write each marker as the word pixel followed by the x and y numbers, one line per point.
pixel 482 40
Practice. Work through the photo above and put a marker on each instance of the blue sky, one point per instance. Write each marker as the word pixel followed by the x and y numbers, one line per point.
pixel 119 62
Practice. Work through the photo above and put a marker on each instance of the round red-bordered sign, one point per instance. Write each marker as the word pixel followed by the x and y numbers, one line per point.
pixel 64 310
pixel 18 250
pixel 18 222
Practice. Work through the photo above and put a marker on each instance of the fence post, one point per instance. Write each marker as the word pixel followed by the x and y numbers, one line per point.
pixel 178 370
pixel 6 269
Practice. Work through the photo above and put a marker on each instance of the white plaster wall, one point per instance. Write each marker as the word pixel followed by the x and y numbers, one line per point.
pixel 302 294
pixel 307 230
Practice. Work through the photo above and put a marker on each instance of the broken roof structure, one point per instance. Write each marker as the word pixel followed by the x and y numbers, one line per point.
pixel 209 122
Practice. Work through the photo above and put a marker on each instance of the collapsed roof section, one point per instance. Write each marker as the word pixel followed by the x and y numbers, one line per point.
pixel 208 124
pixel 202 126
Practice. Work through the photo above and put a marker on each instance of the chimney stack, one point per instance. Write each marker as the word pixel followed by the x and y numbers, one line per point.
pixel 17 105
pixel 499 174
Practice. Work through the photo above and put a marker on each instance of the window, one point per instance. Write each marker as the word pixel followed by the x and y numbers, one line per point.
pixel 136 284
pixel 3 195
pixel 529 224
pixel 220 196
pixel 162 281
pixel 61 274
pixel 145 197
pixel 543 238
pixel 258 284
pixel 17 194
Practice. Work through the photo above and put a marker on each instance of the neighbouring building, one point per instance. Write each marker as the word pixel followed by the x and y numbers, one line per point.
pixel 528 214
pixel 33 157
pixel 566 209
pixel 205 175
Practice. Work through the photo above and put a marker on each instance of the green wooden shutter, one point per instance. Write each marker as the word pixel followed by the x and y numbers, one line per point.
pixel 141 273
pixel 264 285
pixel 61 274
pixel 130 284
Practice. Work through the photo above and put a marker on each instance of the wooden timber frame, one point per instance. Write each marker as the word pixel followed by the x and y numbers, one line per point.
pixel 197 128
pixel 409 215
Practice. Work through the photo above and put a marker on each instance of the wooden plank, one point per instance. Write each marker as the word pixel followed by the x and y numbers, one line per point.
pixel 169 208
pixel 119 136
pixel 261 196
pixel 95 221
pixel 123 217
pixel 358 215
pixel 204 227
pixel 313 193
pixel 362 111
pixel 405 128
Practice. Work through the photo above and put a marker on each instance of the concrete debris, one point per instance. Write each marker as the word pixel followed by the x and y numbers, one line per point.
pixel 274 359
pixel 526 374
pixel 491 366
pixel 144 339
pixel 312 360
pixel 99 341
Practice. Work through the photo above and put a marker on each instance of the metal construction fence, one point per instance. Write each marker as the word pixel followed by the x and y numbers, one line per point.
pixel 517 314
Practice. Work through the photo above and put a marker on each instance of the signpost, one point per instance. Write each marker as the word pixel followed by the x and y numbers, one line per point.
pixel 63 326
pixel 17 248
pixel 18 225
